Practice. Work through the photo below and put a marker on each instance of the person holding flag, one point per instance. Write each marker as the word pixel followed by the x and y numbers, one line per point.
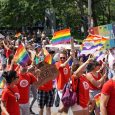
pixel 26 79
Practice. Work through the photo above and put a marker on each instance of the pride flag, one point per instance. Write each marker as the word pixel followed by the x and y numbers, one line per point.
pixel 2 82
pixel 21 56
pixel 94 40
pixel 97 99
pixel 48 58
pixel 62 36
pixel 19 35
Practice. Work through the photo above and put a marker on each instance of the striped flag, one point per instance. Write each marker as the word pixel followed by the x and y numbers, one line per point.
pixel 21 56
pixel 62 36
pixel 97 99
pixel 48 58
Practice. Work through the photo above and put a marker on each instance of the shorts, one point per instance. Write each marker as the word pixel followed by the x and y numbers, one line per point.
pixel 24 109
pixel 92 93
pixel 45 98
pixel 77 107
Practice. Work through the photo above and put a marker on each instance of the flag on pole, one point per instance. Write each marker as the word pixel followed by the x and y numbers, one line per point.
pixel 21 56
pixel 97 99
pixel 62 36
pixel 48 58
pixel 19 35
pixel 2 82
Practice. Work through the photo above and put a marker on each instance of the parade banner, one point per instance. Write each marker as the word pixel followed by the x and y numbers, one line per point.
pixel 107 30
pixel 47 72
pixel 96 45
pixel 104 30
pixel 112 43
pixel 113 29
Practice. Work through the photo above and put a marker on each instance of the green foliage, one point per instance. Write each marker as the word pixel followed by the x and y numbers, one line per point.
pixel 68 13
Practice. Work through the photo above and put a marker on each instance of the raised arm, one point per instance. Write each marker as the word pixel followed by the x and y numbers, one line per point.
pixel 6 47
pixel 66 62
pixel 80 70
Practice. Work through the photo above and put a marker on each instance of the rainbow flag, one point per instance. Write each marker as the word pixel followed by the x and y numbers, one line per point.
pixel 19 35
pixel 2 82
pixel 97 99
pixel 21 56
pixel 94 43
pixel 62 36
pixel 48 58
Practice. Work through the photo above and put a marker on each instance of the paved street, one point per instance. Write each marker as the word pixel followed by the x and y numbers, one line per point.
pixel 54 110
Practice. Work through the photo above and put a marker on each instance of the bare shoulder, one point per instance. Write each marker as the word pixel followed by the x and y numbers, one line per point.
pixel 88 75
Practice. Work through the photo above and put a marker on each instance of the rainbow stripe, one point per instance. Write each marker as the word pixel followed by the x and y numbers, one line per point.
pixel 62 36
pixel 21 56
pixel 2 82
pixel 19 35
pixel 48 58
pixel 97 99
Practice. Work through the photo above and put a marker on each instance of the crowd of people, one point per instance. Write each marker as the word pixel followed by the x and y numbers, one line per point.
pixel 83 72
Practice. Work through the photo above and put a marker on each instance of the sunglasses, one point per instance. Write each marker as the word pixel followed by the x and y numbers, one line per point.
pixel 62 58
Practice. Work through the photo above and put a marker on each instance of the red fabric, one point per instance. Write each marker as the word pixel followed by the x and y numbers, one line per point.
pixel 14 67
pixel 23 85
pixel 109 89
pixel 64 75
pixel 83 90
pixel 9 97
pixel 8 52
pixel 92 87
pixel 47 86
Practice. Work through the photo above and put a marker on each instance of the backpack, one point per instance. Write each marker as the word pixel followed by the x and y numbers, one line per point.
pixel 69 97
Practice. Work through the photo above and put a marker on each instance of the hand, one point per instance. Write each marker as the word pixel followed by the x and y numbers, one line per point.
pixel 107 52
pixel 72 53
pixel 13 61
pixel 90 58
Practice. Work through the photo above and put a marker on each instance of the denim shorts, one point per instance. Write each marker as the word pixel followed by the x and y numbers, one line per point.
pixel 92 93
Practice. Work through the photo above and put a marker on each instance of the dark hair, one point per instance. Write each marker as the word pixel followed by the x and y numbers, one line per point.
pixel 83 57
pixel 10 59
pixel 9 75
pixel 75 67
pixel 92 65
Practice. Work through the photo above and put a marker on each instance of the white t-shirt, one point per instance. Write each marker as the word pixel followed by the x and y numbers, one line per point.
pixel 111 60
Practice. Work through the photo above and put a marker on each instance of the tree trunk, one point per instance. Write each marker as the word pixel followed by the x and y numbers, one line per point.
pixel 94 13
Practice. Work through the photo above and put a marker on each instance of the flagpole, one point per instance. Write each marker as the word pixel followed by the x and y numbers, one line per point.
pixel 89 13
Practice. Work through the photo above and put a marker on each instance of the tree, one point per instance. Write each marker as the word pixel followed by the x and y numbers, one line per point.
pixel 68 13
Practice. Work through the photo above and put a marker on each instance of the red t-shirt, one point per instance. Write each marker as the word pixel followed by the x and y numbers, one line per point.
pixel 63 76
pixel 83 89
pixel 11 97
pixel 109 89
pixel 47 86
pixel 23 85
pixel 8 53
pixel 92 87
